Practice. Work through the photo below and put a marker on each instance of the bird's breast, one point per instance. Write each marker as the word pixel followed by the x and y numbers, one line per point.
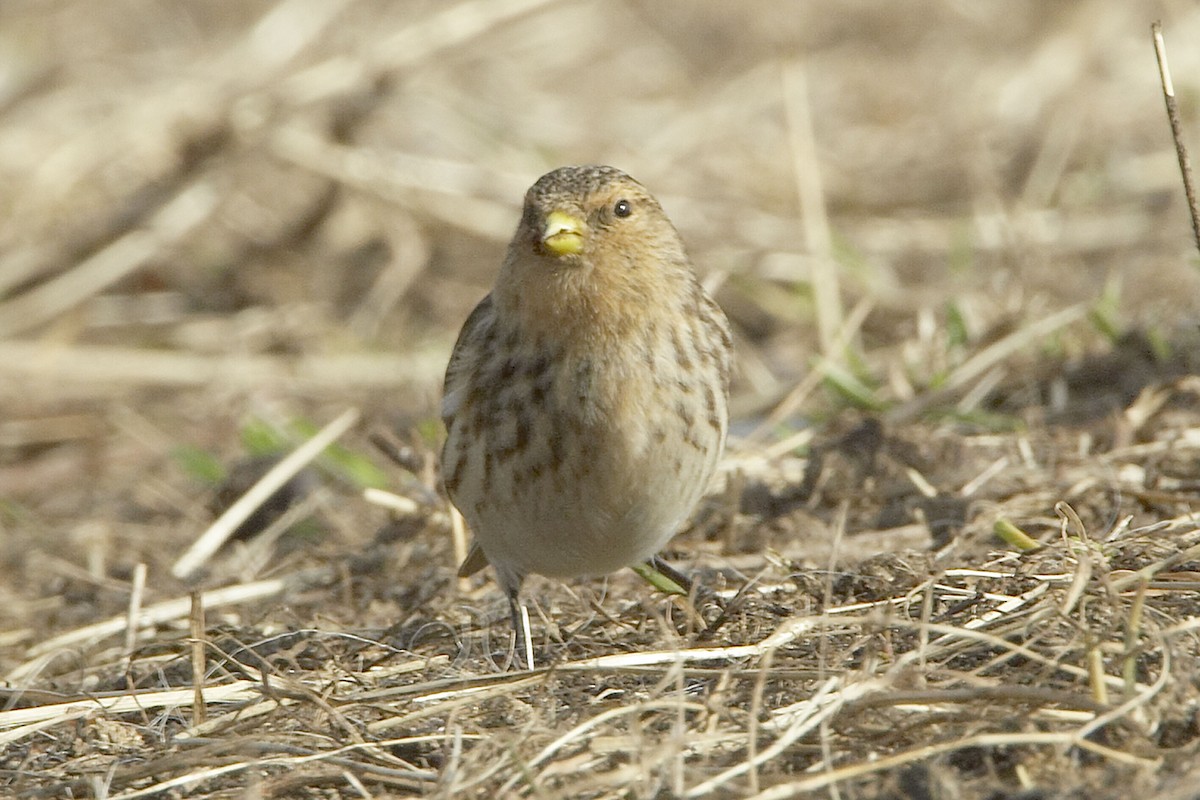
pixel 583 460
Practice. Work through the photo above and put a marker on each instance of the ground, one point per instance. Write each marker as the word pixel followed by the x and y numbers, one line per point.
pixel 952 551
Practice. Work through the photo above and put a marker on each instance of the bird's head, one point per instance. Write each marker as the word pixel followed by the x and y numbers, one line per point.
pixel 592 244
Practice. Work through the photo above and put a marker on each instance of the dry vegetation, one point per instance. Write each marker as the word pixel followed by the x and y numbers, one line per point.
pixel 952 241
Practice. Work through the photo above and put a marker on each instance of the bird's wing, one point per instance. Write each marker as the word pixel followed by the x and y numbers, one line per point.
pixel 463 361
pixel 475 561
pixel 464 358
pixel 714 317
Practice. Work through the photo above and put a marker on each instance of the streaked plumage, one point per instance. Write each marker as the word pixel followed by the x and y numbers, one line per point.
pixel 586 400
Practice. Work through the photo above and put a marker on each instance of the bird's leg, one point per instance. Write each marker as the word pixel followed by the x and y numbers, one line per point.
pixel 683 581
pixel 667 579
pixel 519 615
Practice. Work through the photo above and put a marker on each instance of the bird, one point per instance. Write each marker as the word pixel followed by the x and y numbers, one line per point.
pixel 586 400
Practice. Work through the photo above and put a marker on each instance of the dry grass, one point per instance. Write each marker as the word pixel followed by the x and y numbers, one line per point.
pixel 952 241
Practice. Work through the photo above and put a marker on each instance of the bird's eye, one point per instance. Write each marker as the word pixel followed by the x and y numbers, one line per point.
pixel 623 208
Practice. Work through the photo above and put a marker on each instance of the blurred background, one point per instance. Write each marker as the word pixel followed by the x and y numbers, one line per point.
pixel 221 217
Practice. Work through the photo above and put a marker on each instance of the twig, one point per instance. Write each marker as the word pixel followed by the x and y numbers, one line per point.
pixel 134 702
pixel 196 620
pixel 211 773
pixel 578 732
pixel 208 543
pixel 1140 699
pixel 825 703
pixel 109 365
pixel 803 786
pixel 151 615
pixel 819 241
pixel 821 371
pixel 988 357
pixel 179 216
pixel 1185 163
pixel 135 610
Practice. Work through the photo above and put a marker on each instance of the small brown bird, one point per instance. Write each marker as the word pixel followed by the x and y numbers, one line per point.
pixel 586 400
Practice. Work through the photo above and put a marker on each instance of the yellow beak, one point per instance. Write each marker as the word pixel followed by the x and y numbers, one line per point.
pixel 563 234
